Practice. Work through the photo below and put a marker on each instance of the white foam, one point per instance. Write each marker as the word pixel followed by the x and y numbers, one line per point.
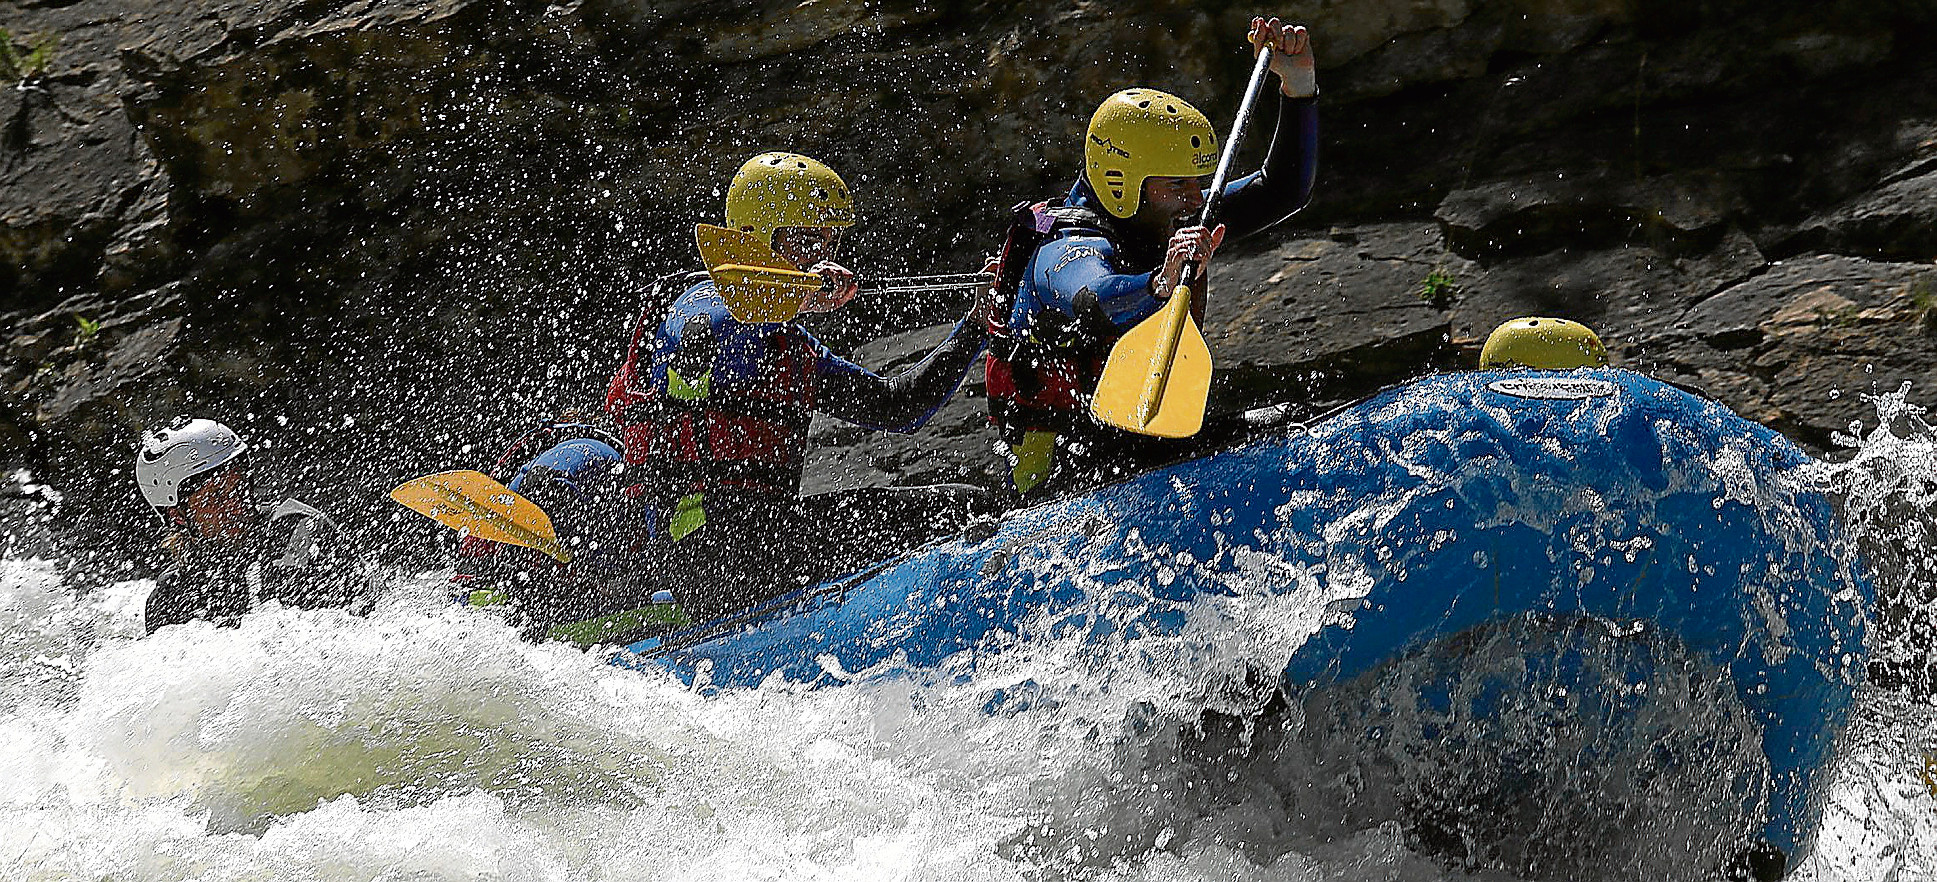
pixel 426 742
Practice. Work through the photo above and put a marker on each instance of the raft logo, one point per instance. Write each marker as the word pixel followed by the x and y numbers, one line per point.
pixel 1552 388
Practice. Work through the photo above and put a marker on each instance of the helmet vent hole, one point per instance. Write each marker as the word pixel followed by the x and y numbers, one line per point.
pixel 1143 104
pixel 1170 108
pixel 1196 141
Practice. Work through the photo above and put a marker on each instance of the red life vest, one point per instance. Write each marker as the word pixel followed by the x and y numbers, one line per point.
pixel 750 440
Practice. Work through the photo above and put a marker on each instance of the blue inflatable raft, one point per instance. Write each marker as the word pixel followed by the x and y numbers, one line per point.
pixel 1542 512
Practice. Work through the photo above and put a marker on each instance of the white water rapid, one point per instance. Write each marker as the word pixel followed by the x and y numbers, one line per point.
pixel 428 742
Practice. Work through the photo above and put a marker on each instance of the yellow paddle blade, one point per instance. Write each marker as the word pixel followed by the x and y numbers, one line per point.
pixel 473 504
pixel 1158 378
pixel 751 298
pixel 758 294
pixel 719 246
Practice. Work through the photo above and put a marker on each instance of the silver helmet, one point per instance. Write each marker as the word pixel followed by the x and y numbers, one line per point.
pixel 170 457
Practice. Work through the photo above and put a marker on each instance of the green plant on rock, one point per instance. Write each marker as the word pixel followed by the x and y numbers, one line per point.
pixel 1844 317
pixel 1923 295
pixel 85 329
pixel 1438 288
pixel 25 58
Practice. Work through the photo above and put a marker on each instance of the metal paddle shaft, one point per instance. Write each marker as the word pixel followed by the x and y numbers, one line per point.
pixel 1216 198
pixel 1155 344
pixel 954 282
pixel 757 294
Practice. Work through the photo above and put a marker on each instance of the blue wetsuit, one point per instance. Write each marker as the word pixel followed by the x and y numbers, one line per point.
pixel 1117 269
pixel 711 405
pixel 1091 282
pixel 714 414
pixel 743 363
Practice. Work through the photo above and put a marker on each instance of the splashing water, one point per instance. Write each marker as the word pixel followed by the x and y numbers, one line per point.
pixel 429 742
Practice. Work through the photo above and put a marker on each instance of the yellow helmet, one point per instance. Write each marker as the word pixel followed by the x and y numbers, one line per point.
pixel 1144 133
pixel 1545 343
pixel 775 190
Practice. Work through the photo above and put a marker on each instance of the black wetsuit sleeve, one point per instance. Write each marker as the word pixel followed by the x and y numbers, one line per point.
pixel 1284 185
pixel 905 401
pixel 171 603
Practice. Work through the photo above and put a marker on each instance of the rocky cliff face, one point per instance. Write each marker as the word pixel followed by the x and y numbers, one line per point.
pixel 377 232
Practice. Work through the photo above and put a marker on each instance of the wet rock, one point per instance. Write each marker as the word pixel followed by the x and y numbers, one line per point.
pixel 286 97
pixel 1898 221
pixel 71 167
pixel 1339 314
pixel 1528 216
pixel 957 445
pixel 1630 293
pixel 1381 48
pixel 1796 346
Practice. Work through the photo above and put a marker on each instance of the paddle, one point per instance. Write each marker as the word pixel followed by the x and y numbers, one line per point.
pixel 473 504
pixel 757 285
pixel 1158 377
pixel 760 286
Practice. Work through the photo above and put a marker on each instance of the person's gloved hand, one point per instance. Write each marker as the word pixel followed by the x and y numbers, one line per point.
pixel 982 311
pixel 1291 57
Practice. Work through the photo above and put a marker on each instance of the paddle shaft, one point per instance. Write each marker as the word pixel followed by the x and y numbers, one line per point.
pixel 1159 377
pixel 1176 315
pixel 1216 198
pixel 954 282
pixel 786 278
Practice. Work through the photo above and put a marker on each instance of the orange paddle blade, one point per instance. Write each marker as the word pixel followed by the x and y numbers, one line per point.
pixel 736 261
pixel 759 294
pixel 473 504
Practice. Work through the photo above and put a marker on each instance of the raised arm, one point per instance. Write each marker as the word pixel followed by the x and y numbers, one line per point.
pixel 1284 185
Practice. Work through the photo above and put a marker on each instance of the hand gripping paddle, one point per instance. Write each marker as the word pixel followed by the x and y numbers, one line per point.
pixel 1158 376
pixel 760 286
